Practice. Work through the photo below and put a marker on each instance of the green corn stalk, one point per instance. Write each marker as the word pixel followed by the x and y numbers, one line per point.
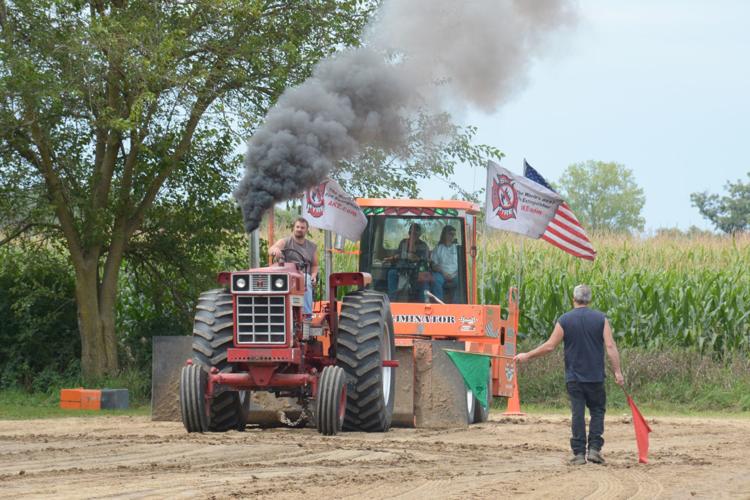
pixel 658 293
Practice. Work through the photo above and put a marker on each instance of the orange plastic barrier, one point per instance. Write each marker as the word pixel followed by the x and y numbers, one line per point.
pixel 80 399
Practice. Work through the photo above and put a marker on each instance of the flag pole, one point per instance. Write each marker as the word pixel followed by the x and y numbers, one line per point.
pixel 484 256
pixel 519 277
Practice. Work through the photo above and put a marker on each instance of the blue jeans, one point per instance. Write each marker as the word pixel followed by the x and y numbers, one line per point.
pixel 593 396
pixel 307 302
pixel 438 284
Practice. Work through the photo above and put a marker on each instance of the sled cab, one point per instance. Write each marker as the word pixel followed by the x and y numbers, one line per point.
pixel 415 246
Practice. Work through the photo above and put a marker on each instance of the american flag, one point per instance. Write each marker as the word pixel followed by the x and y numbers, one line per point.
pixel 564 231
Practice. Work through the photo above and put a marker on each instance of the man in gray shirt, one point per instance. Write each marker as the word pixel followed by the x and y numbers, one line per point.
pixel 585 333
pixel 303 251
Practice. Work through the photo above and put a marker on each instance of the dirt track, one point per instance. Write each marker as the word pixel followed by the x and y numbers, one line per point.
pixel 132 457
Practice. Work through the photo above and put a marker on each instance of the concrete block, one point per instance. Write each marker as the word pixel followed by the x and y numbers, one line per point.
pixel 114 399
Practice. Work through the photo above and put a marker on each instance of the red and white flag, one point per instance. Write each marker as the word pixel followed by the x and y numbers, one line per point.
pixel 327 206
pixel 564 230
pixel 517 204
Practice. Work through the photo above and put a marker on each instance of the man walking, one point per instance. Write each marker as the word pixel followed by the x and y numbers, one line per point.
pixel 304 252
pixel 585 333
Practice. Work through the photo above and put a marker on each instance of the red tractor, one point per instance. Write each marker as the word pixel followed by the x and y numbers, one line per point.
pixel 339 368
pixel 250 336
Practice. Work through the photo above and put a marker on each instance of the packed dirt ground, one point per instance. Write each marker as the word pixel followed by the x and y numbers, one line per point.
pixel 520 457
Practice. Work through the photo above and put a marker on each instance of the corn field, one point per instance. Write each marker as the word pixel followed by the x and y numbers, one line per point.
pixel 658 292
pixel 661 292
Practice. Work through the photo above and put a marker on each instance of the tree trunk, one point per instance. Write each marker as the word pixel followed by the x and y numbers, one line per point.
pixel 96 321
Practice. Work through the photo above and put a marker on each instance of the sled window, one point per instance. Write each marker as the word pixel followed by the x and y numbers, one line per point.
pixel 384 254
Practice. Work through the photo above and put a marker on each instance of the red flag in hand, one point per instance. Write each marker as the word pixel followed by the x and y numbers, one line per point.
pixel 641 431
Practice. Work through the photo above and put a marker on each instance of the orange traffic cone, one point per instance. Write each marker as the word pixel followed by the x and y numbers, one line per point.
pixel 514 403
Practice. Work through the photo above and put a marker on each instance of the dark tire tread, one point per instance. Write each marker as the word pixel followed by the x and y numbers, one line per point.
pixel 481 414
pixel 327 405
pixel 212 336
pixel 192 402
pixel 365 323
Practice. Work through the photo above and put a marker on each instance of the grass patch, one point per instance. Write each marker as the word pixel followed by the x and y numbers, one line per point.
pixel 499 406
pixel 22 403
pixel 675 382
pixel 16 404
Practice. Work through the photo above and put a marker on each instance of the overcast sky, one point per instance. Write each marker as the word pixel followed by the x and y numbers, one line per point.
pixel 662 87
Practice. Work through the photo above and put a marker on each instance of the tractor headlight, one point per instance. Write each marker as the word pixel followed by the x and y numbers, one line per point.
pixel 279 282
pixel 240 283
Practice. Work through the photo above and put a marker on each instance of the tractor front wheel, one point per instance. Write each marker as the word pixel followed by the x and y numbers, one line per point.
pixel 213 331
pixel 193 382
pixel 330 406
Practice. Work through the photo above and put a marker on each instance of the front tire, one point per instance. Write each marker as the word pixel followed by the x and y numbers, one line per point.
pixel 193 382
pixel 330 405
pixel 364 340
pixel 213 332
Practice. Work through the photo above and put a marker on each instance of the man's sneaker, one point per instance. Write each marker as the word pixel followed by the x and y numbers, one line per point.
pixel 579 459
pixel 595 456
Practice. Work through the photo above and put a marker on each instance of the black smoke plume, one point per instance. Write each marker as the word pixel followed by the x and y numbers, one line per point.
pixel 433 54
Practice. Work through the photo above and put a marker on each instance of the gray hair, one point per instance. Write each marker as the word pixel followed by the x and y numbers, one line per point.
pixel 582 294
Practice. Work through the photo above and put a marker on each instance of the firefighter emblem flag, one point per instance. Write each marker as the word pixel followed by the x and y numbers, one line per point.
pixel 517 204
pixel 327 206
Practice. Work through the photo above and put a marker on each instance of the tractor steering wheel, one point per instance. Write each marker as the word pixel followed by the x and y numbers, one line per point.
pixel 412 265
pixel 301 265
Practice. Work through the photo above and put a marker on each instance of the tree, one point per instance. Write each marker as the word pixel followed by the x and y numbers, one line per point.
pixel 434 148
pixel 604 196
pixel 101 103
pixel 729 213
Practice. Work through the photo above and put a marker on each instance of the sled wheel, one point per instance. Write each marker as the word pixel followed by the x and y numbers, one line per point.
pixel 482 414
pixel 471 403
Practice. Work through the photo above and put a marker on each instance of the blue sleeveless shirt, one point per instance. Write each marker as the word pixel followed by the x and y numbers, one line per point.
pixel 584 344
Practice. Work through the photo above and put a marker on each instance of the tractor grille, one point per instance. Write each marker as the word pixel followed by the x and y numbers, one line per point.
pixel 260 283
pixel 261 319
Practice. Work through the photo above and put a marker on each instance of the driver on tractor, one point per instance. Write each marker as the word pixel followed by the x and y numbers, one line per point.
pixel 412 252
pixel 297 248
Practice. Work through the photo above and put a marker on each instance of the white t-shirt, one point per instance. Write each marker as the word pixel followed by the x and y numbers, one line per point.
pixel 447 258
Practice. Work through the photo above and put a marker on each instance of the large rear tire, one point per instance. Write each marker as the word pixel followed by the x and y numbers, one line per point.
pixel 364 340
pixel 213 331
pixel 330 405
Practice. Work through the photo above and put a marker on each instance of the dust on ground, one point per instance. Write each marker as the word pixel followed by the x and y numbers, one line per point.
pixel 519 457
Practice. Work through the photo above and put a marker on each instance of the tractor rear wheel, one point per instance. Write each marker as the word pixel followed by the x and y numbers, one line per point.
pixel 363 342
pixel 213 331
pixel 192 398
pixel 330 405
